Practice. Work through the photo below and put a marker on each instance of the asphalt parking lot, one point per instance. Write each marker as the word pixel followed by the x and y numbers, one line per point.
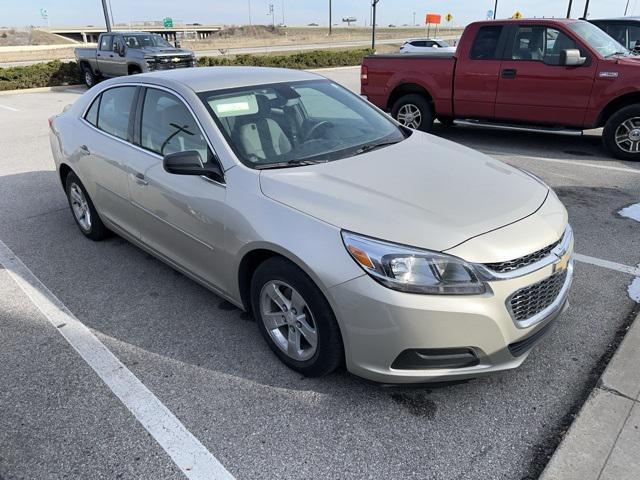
pixel 206 362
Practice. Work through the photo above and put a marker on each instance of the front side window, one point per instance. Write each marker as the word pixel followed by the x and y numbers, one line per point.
pixel 106 43
pixel 300 122
pixel 633 37
pixel 485 45
pixel 114 111
pixel 169 127
pixel 540 43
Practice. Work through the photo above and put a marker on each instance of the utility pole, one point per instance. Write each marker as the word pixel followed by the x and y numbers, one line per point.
pixel 283 22
pixel 273 18
pixel 586 10
pixel 249 3
pixel 495 10
pixel 107 20
pixel 330 21
pixel 626 9
pixel 374 4
pixel 414 19
pixel 569 9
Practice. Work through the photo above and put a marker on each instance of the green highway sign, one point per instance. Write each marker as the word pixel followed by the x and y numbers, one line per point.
pixel 168 22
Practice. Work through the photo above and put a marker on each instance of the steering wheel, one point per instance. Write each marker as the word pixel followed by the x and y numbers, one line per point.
pixel 323 126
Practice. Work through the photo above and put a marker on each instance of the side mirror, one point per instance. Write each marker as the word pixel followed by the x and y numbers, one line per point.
pixel 190 163
pixel 571 58
pixel 176 44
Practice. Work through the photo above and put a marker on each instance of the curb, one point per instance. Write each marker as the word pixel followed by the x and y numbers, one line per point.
pixel 591 449
pixel 41 89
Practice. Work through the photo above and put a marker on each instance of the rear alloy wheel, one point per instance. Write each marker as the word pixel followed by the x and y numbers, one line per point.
pixel 621 134
pixel 295 319
pixel 90 78
pixel 84 213
pixel 413 111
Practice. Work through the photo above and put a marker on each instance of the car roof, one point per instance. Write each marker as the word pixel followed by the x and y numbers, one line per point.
pixel 202 79
pixel 528 20
pixel 616 20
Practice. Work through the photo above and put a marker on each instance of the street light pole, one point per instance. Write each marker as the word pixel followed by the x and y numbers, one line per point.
pixel 569 9
pixel 586 10
pixel 374 3
pixel 330 20
pixel 107 20
pixel 495 10
pixel 249 2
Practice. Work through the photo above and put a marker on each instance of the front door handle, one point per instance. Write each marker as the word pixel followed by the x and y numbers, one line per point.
pixel 140 179
pixel 509 73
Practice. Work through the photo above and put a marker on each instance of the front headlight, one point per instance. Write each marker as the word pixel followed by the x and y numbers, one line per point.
pixel 413 270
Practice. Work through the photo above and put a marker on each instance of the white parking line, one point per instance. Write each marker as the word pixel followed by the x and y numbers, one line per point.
pixel 565 162
pixel 191 457
pixel 618 267
pixel 6 107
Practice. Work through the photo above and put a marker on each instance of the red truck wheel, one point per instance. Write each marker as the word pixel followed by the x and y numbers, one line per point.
pixel 413 111
pixel 621 134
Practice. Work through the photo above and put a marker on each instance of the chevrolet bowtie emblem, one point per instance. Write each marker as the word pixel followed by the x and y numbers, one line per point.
pixel 175 59
pixel 563 262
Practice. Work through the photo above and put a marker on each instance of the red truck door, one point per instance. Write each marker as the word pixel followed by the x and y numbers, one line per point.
pixel 477 74
pixel 534 87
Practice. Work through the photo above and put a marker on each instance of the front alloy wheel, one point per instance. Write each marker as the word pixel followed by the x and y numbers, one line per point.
pixel 295 318
pixel 288 320
pixel 413 111
pixel 621 134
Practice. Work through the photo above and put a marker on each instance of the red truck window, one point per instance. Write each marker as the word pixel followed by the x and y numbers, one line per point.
pixel 540 43
pixel 485 45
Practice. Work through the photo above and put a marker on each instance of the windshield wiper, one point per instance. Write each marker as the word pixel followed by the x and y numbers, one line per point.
pixel 372 146
pixel 618 53
pixel 291 163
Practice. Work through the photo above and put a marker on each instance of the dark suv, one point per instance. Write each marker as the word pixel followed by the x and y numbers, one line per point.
pixel 625 30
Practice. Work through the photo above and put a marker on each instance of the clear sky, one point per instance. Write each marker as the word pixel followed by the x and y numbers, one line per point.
pixel 297 12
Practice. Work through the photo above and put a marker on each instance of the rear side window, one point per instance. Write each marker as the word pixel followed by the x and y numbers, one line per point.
pixel 169 127
pixel 114 111
pixel 485 45
pixel 92 113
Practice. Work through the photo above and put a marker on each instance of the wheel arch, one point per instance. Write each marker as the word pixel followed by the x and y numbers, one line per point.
pixel 407 89
pixel 616 105
pixel 64 171
pixel 133 67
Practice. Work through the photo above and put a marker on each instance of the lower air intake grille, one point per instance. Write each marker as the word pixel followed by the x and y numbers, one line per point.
pixel 531 300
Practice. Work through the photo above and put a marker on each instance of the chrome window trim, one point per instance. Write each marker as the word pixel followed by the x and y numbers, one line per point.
pixel 139 147
pixel 558 251
pixel 557 304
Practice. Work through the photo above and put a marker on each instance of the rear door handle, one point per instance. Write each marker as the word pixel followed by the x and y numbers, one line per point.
pixel 84 150
pixel 140 179
pixel 509 73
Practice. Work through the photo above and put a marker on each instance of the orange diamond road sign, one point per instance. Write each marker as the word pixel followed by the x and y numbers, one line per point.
pixel 448 17
pixel 517 16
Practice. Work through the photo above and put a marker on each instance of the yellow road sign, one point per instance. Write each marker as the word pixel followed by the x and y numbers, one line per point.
pixel 517 16
pixel 448 17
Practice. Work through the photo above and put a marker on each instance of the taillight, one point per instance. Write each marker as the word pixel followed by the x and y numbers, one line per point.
pixel 364 75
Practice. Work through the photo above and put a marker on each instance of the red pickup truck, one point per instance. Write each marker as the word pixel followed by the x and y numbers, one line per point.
pixel 542 74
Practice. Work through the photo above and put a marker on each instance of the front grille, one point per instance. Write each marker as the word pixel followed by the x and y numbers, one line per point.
pixel 531 300
pixel 511 265
pixel 169 65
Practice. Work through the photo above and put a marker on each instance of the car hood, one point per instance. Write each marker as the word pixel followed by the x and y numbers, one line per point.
pixel 424 191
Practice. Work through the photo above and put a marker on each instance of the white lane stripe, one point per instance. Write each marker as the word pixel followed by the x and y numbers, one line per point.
pixel 191 457
pixel 607 264
pixel 565 162
pixel 6 107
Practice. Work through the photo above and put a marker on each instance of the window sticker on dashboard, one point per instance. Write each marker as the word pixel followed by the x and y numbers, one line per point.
pixel 235 106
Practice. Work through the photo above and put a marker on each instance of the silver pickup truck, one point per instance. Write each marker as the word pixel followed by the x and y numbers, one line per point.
pixel 127 53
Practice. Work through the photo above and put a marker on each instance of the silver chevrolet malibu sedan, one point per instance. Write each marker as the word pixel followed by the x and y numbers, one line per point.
pixel 348 237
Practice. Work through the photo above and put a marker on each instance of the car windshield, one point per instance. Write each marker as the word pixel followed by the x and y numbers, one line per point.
pixel 150 40
pixel 297 123
pixel 598 39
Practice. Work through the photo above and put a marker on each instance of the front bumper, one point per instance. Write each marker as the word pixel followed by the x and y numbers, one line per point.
pixel 379 324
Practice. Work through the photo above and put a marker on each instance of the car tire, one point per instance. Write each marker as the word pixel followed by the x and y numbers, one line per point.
pixel 413 111
pixel 90 78
pixel 134 71
pixel 83 210
pixel 621 134
pixel 282 325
